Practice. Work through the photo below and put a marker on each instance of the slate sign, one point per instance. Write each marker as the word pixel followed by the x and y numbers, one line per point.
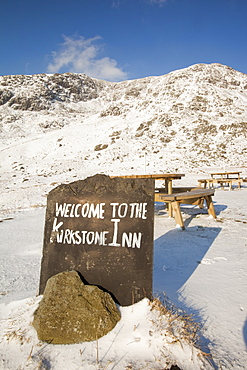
pixel 102 228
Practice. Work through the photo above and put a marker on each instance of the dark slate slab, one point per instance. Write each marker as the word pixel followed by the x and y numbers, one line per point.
pixel 102 228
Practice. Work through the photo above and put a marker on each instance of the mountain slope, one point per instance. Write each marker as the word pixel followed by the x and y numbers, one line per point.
pixel 70 125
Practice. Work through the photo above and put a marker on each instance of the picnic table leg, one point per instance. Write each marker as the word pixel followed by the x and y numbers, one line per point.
pixel 239 181
pixel 177 214
pixel 169 188
pixel 201 202
pixel 210 206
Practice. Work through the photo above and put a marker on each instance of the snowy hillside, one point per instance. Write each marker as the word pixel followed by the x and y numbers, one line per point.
pixel 71 124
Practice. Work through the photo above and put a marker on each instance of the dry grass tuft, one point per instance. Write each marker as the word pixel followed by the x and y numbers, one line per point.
pixel 179 324
pixel 18 335
pixel 180 327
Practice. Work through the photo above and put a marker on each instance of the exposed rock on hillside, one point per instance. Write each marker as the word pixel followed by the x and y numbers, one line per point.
pixel 38 92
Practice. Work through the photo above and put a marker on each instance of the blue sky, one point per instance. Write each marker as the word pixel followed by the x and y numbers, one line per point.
pixel 120 39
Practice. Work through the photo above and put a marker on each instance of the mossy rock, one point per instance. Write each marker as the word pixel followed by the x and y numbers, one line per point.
pixel 72 312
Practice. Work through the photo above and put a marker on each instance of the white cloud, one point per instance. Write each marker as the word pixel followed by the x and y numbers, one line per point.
pixel 159 2
pixel 77 54
pixel 116 3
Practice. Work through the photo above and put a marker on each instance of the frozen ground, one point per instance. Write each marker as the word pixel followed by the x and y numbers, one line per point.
pixel 201 270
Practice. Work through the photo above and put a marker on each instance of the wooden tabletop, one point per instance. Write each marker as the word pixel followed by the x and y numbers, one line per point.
pixel 159 176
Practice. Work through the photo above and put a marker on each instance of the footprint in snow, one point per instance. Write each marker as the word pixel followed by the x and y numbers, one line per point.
pixel 208 261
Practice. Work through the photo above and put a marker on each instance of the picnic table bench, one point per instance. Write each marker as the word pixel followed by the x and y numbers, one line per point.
pixel 195 196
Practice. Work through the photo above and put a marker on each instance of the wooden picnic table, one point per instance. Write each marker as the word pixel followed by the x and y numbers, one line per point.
pixel 173 197
pixel 167 177
pixel 227 178
pixel 222 178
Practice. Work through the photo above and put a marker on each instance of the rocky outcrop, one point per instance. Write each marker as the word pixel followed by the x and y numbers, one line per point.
pixel 38 92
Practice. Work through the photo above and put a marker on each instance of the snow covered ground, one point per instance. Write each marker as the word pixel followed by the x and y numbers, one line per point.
pixel 201 270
